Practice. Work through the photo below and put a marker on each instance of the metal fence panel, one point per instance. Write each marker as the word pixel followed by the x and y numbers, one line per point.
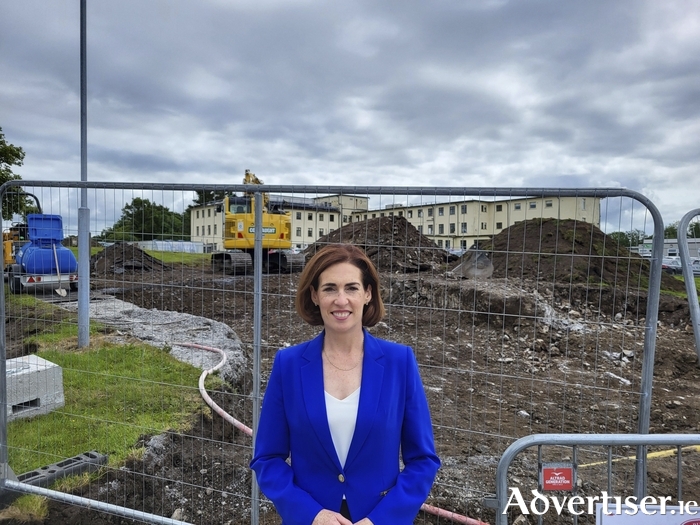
pixel 559 339
pixel 605 470
pixel 688 274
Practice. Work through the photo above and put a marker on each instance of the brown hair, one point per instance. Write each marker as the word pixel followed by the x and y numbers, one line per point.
pixel 324 259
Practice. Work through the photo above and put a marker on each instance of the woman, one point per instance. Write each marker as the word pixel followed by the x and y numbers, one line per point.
pixel 342 406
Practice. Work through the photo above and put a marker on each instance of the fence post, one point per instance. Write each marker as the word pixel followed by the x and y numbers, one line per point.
pixel 688 276
pixel 257 331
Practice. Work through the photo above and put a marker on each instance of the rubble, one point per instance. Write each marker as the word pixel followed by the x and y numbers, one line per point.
pixel 475 264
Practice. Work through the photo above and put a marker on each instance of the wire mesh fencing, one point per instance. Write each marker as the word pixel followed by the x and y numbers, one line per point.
pixel 691 270
pixel 526 309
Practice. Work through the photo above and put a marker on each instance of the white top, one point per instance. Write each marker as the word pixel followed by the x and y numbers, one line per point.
pixel 342 415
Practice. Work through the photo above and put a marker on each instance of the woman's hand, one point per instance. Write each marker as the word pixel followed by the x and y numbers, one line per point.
pixel 328 517
pixel 365 521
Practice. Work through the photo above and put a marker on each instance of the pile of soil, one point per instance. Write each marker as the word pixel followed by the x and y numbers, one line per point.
pixel 122 257
pixel 552 250
pixel 392 243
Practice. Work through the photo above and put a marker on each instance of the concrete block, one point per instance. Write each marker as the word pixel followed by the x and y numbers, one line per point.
pixel 34 387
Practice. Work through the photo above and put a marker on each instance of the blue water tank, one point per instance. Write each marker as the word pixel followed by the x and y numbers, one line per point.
pixel 45 235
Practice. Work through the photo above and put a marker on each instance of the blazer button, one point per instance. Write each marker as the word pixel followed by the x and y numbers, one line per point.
pixel 341 478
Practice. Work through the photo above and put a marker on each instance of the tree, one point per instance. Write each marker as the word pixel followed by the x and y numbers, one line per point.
pixel 694 229
pixel 143 220
pixel 671 231
pixel 628 239
pixel 11 155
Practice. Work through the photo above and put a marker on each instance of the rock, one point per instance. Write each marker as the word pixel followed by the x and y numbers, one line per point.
pixel 475 265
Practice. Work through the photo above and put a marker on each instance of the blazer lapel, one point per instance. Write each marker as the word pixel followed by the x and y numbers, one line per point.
pixel 314 396
pixel 370 393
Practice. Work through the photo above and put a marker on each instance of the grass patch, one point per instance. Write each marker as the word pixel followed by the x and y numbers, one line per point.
pixel 113 395
pixel 194 260
pixel 26 509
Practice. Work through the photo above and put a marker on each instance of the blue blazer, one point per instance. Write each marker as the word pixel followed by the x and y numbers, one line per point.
pixel 393 417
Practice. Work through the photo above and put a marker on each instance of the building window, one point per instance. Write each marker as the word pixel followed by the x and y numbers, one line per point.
pixel 420 213
pixel 310 216
pixel 583 204
pixel 209 229
pixel 463 208
pixel 420 229
pixel 198 214
pixel 320 216
pixel 447 245
pixel 298 215
pixel 430 229
pixel 483 208
pixel 215 229
pixel 401 214
pixel 197 231
pixel 391 214
pixel 499 207
pixel 298 231
pixel 410 214
pixel 499 225
pixel 441 229
pixel 463 245
pixel 463 227
pixel 309 232
pixel 331 218
pixel 453 210
pixel 440 243
pixel 547 204
pixel 516 206
pixel 453 228
pixel 209 212
pixel 533 205
pixel 320 232
pixel 441 211
pixel 483 225
pixel 430 212
pixel 374 215
pixel 345 218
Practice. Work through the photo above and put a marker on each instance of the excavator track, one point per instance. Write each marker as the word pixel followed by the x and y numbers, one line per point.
pixel 233 262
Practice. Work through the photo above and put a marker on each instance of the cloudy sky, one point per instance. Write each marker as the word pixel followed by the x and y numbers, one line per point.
pixel 505 93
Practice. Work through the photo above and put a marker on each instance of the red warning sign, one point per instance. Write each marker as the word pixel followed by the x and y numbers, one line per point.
pixel 557 478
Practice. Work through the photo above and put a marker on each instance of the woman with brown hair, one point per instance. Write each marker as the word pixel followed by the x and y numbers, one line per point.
pixel 343 407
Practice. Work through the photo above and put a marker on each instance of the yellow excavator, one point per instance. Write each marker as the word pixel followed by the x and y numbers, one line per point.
pixel 239 235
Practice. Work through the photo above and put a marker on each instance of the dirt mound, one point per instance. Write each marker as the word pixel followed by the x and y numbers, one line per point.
pixel 122 257
pixel 568 251
pixel 392 243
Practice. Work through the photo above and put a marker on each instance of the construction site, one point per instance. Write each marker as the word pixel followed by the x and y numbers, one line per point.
pixel 540 330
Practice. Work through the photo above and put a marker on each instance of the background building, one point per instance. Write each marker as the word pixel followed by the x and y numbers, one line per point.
pixel 451 225
pixel 459 224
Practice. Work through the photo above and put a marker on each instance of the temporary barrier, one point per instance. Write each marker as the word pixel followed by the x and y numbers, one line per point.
pixel 688 274
pixel 575 460
pixel 526 311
